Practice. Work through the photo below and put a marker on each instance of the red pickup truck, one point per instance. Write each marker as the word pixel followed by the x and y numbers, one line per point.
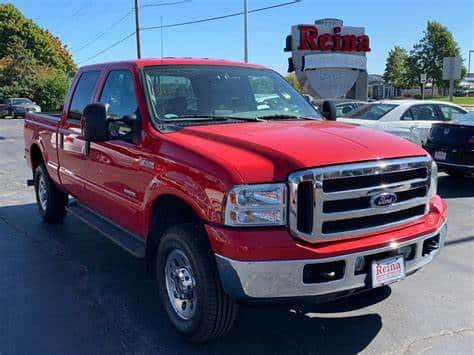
pixel 232 187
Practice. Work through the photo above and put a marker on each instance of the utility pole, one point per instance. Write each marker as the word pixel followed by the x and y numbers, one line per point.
pixel 137 29
pixel 246 34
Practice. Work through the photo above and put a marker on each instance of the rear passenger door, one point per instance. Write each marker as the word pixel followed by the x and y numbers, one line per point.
pixel 71 152
pixel 420 118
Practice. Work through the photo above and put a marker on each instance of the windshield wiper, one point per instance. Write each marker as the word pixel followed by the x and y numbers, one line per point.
pixel 211 118
pixel 281 117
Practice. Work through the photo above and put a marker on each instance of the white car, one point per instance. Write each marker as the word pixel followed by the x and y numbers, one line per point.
pixel 409 119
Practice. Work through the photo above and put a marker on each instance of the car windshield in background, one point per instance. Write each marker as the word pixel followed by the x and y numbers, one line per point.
pixel 216 92
pixel 21 101
pixel 372 111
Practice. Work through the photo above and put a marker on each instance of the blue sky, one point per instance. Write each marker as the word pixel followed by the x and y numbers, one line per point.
pixel 387 22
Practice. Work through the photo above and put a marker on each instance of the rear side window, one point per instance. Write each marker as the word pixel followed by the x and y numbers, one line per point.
pixel 451 112
pixel 83 93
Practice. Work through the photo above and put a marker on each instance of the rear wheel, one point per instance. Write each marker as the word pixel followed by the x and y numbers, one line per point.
pixel 189 285
pixel 50 200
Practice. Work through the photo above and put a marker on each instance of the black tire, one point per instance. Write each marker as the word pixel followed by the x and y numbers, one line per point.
pixel 455 173
pixel 54 208
pixel 215 311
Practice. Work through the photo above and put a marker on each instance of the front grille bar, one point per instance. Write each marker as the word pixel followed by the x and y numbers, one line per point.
pixel 368 172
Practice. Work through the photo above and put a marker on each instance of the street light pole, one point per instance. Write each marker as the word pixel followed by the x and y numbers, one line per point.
pixel 137 29
pixel 469 64
pixel 246 34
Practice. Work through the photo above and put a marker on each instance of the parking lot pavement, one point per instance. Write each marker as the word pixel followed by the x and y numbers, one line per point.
pixel 65 289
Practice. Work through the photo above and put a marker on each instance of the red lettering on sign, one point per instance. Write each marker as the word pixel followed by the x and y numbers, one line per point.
pixel 323 42
pixel 308 35
pixel 364 44
pixel 350 43
pixel 337 39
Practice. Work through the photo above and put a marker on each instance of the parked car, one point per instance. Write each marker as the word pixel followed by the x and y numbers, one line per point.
pixel 18 107
pixel 452 145
pixel 410 119
pixel 173 160
pixel 345 108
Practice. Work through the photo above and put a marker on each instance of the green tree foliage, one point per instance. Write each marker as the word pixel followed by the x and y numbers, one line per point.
pixel 33 63
pixel 427 55
pixel 395 73
pixel 291 78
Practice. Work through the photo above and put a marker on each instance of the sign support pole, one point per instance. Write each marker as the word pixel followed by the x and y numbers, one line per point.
pixel 246 33
pixel 451 89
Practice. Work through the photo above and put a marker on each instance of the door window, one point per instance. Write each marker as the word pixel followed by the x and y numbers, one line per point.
pixel 451 112
pixel 83 94
pixel 119 93
pixel 424 113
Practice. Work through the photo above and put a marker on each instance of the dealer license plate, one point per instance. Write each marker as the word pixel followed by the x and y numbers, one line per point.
pixel 440 155
pixel 387 271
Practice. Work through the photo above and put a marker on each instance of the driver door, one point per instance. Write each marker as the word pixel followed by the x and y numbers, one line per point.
pixel 115 178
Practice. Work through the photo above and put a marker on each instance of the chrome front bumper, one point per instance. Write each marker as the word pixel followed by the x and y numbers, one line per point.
pixel 282 279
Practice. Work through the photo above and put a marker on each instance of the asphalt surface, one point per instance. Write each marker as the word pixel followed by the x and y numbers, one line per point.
pixel 65 289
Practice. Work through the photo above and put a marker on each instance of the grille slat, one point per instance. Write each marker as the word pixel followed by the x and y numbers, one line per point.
pixel 342 198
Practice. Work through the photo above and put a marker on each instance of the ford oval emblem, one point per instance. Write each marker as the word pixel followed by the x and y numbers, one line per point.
pixel 384 199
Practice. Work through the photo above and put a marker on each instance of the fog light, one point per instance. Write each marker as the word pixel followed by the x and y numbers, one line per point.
pixel 359 264
pixel 406 251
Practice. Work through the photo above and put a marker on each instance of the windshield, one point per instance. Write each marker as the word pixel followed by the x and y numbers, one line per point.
pixel 184 92
pixel 372 111
pixel 21 101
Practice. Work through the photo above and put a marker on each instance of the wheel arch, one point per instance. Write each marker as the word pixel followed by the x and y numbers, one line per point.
pixel 36 156
pixel 167 210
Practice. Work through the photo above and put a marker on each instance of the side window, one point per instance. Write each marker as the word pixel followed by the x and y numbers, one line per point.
pixel 450 112
pixel 83 93
pixel 424 113
pixel 407 116
pixel 119 93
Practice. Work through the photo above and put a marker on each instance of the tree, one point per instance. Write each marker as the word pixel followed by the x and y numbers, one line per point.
pixel 44 47
pixel 291 78
pixel 427 55
pixel 395 73
pixel 33 63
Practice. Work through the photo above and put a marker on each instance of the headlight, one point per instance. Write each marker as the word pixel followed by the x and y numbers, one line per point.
pixel 256 205
pixel 434 180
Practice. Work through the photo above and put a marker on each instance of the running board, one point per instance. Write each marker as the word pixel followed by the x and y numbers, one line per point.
pixel 128 241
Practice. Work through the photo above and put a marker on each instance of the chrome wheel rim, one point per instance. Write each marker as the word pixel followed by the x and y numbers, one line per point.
pixel 181 284
pixel 42 192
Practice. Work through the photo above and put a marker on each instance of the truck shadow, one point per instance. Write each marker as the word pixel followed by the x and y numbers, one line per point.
pixel 106 278
pixel 455 187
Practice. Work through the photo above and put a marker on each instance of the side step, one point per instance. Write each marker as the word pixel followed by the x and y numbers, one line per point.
pixel 128 241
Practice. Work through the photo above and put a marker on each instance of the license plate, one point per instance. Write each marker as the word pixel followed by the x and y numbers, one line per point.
pixel 387 271
pixel 440 155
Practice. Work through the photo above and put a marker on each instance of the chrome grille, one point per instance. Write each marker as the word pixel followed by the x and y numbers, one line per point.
pixel 336 202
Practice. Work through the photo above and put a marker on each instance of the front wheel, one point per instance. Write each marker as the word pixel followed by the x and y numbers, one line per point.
pixel 50 200
pixel 189 285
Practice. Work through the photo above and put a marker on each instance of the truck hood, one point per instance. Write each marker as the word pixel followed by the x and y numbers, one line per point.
pixel 269 151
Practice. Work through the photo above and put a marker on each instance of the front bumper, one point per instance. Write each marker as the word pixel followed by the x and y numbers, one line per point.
pixel 284 278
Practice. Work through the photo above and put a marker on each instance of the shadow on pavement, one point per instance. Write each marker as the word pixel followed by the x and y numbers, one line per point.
pixel 108 281
pixel 455 187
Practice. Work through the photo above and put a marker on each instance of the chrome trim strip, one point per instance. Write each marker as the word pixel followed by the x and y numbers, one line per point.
pixel 441 163
pixel 284 278
pixel 317 177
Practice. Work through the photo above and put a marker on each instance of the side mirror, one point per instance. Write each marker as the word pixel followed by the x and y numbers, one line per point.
pixel 94 123
pixel 328 110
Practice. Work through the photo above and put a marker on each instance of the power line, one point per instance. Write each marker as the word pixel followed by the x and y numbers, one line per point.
pixel 103 33
pixel 217 17
pixel 109 47
pixel 162 3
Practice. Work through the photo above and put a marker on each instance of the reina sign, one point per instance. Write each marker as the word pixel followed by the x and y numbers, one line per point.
pixel 310 39
pixel 329 59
